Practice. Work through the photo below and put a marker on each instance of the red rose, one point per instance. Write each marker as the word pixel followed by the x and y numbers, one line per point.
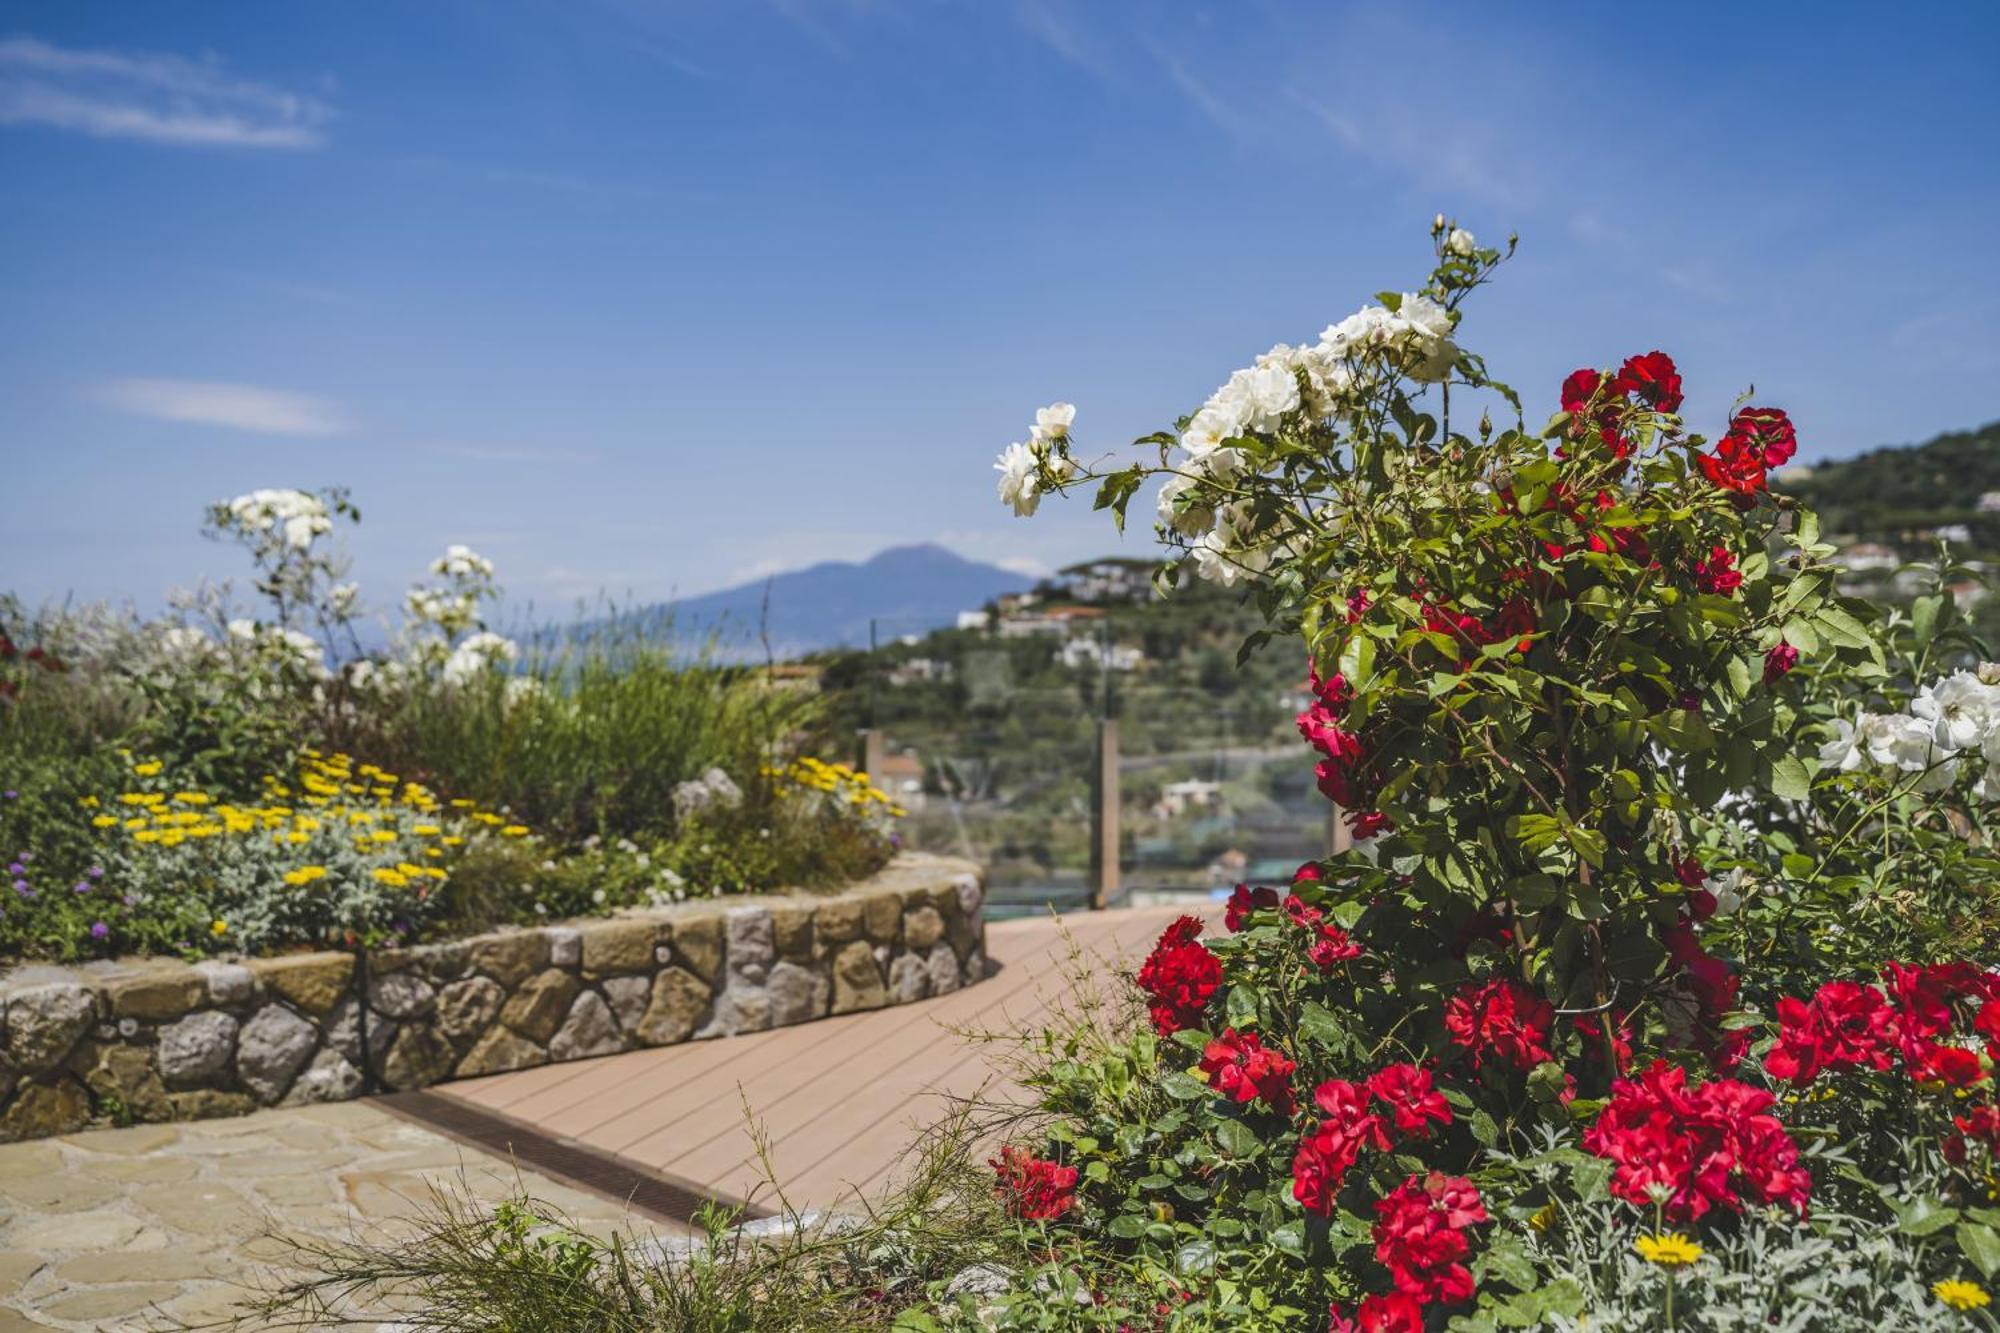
pixel 1180 975
pixel 1651 378
pixel 1420 1236
pixel 1385 1312
pixel 1500 1018
pixel 1847 1026
pixel 1764 434
pixel 1689 872
pixel 1243 900
pixel 1923 999
pixel 1324 1156
pixel 1735 466
pixel 1406 1091
pixel 1032 1187
pixel 1580 388
pixel 1704 1146
pixel 1243 1069
pixel 1367 823
pixel 1779 661
pixel 1953 1066
pixel 1718 574
pixel 1358 603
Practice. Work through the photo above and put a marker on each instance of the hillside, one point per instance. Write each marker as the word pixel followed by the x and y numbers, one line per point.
pixel 1897 494
pixel 905 589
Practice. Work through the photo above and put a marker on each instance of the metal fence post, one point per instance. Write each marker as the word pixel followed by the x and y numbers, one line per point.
pixel 1104 817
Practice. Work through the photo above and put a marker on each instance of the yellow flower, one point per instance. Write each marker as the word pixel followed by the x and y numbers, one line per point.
pixel 219 927
pixel 1669 1249
pixel 1543 1217
pixel 193 797
pixel 453 840
pixel 105 821
pixel 515 831
pixel 88 802
pixel 148 769
pixel 395 879
pixel 427 830
pixel 146 835
pixel 1962 1295
pixel 304 875
pixel 297 836
pixel 382 835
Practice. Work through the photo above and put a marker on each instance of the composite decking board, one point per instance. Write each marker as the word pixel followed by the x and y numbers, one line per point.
pixel 799 1061
pixel 821 1071
pixel 903 1100
pixel 840 1099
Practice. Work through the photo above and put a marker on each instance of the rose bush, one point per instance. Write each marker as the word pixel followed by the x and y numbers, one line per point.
pixel 1570 685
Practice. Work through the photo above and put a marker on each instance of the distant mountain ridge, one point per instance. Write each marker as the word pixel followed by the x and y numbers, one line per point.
pixel 904 590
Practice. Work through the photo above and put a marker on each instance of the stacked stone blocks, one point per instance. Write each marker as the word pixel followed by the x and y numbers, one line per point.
pixel 156 1040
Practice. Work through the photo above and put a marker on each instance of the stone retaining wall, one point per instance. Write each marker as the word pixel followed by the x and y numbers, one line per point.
pixel 150 1039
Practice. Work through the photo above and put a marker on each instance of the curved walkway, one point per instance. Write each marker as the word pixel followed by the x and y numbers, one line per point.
pixel 838 1099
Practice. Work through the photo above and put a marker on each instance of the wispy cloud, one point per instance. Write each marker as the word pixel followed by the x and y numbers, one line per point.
pixel 233 406
pixel 1054 30
pixel 150 96
pixel 1238 125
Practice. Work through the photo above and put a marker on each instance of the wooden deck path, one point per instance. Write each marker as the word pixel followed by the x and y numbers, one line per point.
pixel 840 1098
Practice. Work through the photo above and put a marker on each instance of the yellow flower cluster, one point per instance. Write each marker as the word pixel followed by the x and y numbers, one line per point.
pixel 840 781
pixel 336 801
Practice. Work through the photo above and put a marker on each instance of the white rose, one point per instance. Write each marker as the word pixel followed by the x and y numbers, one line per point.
pixel 1052 422
pixel 1460 243
pixel 1018 484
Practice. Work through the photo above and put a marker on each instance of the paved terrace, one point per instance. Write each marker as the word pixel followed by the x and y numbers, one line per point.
pixel 144 1228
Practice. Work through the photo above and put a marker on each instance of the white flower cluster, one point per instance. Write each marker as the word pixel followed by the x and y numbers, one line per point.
pixel 278 645
pixel 291 518
pixel 1951 727
pixel 1022 467
pixel 478 653
pixel 462 562
pixel 453 612
pixel 1414 338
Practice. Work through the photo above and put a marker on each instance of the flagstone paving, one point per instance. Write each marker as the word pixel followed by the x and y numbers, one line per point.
pixel 162 1226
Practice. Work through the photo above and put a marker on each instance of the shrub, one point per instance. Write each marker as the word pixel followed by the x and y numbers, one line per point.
pixel 1554 677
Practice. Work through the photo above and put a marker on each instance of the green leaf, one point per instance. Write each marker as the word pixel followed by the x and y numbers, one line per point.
pixel 1238 1140
pixel 1484 1129
pixel 915 1321
pixel 1980 1244
pixel 1924 619
pixel 1790 780
pixel 1589 844
pixel 1126 1226
pixel 1923 1216
pixel 1116 492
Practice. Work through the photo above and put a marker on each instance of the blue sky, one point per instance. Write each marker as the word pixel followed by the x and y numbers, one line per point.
pixel 649 298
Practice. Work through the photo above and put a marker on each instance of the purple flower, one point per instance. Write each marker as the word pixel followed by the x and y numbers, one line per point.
pixel 21 887
pixel 99 931
pixel 82 887
pixel 18 867
pixel 96 872
pixel 13 795
pixel 131 900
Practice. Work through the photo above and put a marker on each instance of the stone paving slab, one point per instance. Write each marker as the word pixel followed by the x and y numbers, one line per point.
pixel 161 1226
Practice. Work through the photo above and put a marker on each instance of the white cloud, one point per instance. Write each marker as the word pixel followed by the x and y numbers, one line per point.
pixel 1025 565
pixel 235 406
pixel 150 96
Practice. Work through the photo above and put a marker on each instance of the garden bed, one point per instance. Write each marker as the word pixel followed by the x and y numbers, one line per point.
pixel 156 1039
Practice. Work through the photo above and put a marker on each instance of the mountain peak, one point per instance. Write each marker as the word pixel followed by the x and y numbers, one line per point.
pixel 900 589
